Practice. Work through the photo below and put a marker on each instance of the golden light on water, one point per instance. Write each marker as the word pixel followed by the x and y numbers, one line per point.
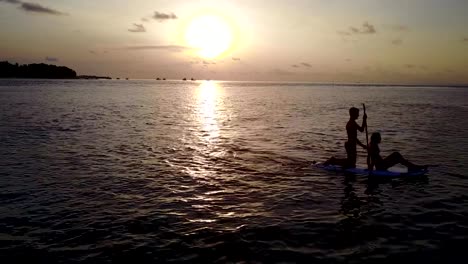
pixel 208 130
pixel 207 98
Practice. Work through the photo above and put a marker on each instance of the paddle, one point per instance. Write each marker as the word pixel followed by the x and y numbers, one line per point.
pixel 367 140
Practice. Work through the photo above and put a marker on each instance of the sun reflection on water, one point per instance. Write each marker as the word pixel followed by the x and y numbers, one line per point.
pixel 207 101
pixel 208 195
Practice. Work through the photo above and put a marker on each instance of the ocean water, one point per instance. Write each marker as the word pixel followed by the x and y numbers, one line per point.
pixel 165 171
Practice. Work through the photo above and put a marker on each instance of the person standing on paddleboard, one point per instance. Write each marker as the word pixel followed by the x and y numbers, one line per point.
pixel 351 129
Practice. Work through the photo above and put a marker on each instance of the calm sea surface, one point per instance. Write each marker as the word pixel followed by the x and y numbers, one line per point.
pixel 152 172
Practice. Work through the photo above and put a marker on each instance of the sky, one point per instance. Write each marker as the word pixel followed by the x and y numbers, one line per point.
pixel 345 41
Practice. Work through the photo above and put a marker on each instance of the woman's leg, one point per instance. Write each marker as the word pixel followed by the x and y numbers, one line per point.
pixel 396 158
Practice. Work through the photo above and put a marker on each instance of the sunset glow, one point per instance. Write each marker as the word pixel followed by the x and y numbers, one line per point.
pixel 210 35
pixel 362 41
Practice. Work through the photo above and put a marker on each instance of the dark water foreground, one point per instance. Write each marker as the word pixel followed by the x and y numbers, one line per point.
pixel 148 172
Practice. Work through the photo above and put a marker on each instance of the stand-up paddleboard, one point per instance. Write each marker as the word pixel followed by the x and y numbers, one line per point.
pixel 376 173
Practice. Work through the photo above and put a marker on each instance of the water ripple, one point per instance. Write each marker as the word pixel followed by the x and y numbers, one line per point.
pixel 145 171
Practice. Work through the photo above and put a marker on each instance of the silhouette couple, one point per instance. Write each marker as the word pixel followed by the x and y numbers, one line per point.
pixel 373 150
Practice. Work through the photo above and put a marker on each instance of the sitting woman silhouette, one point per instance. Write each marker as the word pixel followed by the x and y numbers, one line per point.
pixel 393 159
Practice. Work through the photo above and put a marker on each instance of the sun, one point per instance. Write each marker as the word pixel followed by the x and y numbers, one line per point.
pixel 211 35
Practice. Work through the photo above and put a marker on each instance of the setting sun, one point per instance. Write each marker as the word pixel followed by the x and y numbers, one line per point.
pixel 211 35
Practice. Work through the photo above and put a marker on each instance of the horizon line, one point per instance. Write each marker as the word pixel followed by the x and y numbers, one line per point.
pixel 268 81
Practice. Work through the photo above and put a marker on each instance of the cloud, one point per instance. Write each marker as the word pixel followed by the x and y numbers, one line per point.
pixel 11 1
pixel 465 40
pixel 137 28
pixel 410 66
pixel 34 8
pixel 50 58
pixel 201 61
pixel 366 28
pixel 302 64
pixel 397 27
pixel 354 30
pixel 173 48
pixel 163 16
pixel 208 62
pixel 397 42
pixel 343 33
pixel 144 19
pixel 236 59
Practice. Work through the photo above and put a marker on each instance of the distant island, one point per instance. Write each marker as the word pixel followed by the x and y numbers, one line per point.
pixel 39 71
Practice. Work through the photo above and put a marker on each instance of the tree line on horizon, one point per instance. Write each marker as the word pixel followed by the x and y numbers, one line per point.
pixel 35 70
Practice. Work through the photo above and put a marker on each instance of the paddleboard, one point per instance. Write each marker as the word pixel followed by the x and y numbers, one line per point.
pixel 365 171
